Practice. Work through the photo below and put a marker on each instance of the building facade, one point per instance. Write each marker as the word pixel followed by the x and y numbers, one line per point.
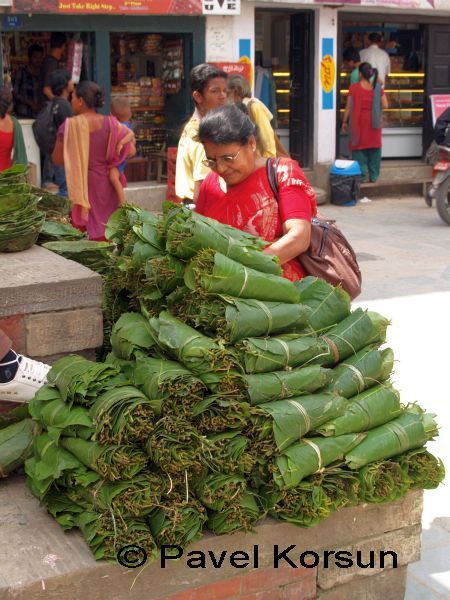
pixel 292 50
pixel 300 45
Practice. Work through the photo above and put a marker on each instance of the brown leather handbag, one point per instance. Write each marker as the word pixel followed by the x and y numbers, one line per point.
pixel 330 255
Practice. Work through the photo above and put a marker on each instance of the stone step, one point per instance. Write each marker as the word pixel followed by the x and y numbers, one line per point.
pixel 321 196
pixel 49 305
pixel 47 562
pixel 400 173
pixel 148 195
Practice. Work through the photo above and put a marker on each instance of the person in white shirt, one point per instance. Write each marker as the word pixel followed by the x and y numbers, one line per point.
pixel 376 57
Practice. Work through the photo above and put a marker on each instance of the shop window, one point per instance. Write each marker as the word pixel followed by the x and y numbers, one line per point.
pixel 147 69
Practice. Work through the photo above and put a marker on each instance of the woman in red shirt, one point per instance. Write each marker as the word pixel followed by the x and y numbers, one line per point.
pixel 6 130
pixel 12 146
pixel 363 113
pixel 237 192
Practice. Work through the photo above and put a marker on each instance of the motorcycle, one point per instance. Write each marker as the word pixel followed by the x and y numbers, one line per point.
pixel 440 187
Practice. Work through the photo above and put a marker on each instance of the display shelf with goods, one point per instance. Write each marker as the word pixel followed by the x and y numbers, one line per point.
pixel 404 85
pixel 282 79
pixel 15 51
pixel 403 119
pixel 146 68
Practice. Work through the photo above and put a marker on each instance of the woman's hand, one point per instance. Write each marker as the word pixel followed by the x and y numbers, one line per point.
pixel 295 241
pixel 58 153
pixel 344 127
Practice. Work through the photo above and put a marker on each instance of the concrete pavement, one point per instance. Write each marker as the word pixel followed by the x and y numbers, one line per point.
pixel 404 254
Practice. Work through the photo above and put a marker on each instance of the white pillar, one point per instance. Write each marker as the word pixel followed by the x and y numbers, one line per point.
pixel 325 108
pixel 224 33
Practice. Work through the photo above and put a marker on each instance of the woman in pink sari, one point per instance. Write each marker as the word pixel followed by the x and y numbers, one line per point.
pixel 89 145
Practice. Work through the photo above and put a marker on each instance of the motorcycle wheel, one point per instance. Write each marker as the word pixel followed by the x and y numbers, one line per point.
pixel 443 201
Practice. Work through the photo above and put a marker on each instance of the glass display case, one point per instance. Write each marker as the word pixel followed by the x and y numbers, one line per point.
pixel 405 95
pixel 282 79
pixel 403 119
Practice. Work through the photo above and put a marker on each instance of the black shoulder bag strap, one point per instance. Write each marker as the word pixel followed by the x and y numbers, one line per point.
pixel 272 175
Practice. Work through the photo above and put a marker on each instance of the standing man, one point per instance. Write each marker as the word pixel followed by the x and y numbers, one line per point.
pixel 352 60
pixel 62 90
pixel 26 84
pixel 209 91
pixel 376 57
pixel 58 47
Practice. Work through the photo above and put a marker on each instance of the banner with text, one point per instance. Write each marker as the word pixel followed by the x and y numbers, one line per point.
pixel 113 7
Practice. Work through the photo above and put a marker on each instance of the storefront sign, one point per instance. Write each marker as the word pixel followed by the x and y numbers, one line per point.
pixel 113 7
pixel 221 7
pixel 12 22
pixel 384 3
pixel 236 68
pixel 405 4
pixel 327 73
pixel 439 103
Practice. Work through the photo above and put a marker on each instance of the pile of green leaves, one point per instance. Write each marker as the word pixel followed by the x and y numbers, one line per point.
pixel 94 255
pixel 228 393
pixel 20 217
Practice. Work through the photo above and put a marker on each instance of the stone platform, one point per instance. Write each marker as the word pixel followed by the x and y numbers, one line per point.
pixel 38 560
pixel 49 305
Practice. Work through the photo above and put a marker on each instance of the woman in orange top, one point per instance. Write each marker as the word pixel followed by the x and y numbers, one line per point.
pixel 12 147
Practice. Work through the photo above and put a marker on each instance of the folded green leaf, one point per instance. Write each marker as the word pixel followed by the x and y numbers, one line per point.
pixel 369 409
pixel 214 273
pixel 277 425
pixel 188 233
pixel 366 368
pixel 279 385
pixel 329 305
pixel 130 334
pixel 262 355
pixel 411 430
pixel 16 445
pixel 233 319
pixel 111 462
pixel 310 456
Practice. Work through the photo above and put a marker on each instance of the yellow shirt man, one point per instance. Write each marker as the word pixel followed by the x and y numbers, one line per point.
pixel 189 168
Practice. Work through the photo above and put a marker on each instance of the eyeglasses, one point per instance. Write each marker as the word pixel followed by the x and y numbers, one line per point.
pixel 228 159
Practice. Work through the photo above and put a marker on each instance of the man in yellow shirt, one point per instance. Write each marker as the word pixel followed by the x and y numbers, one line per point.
pixel 209 91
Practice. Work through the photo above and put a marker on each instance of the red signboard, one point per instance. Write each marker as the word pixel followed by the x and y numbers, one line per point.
pixel 113 7
pixel 239 68
pixel 439 103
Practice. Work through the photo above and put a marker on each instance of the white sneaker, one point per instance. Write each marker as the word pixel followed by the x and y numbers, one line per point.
pixel 31 375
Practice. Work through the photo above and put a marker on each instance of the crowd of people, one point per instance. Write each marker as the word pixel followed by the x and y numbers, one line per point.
pixel 83 152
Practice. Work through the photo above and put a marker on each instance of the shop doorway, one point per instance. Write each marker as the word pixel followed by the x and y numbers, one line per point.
pixel 403 120
pixel 149 69
pixel 437 69
pixel 15 45
pixel 284 63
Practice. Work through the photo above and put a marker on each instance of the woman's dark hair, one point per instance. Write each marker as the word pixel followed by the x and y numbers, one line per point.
pixel 58 81
pixel 351 54
pixel 91 93
pixel 35 49
pixel 58 39
pixel 5 100
pixel 200 76
pixel 367 72
pixel 227 125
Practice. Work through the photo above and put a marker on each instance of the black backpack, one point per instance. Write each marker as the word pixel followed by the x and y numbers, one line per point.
pixel 44 128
